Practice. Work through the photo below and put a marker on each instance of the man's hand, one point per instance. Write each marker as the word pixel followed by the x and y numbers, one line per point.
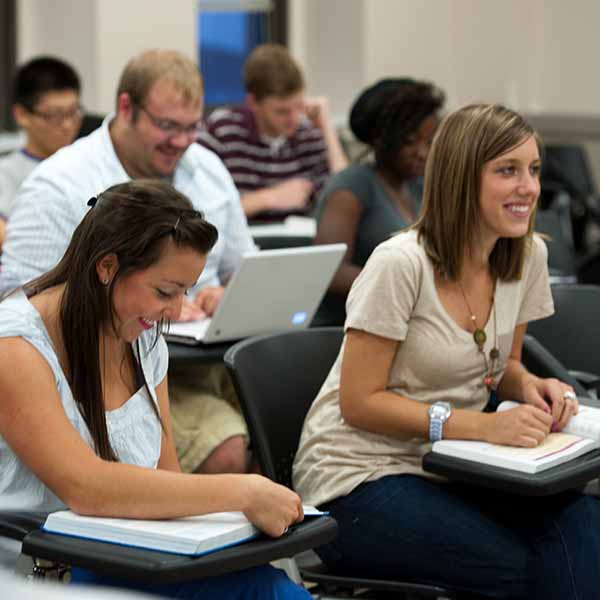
pixel 317 110
pixel 207 299
pixel 290 194
pixel 190 312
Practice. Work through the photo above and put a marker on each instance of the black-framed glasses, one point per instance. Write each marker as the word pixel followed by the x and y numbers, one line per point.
pixel 56 117
pixel 172 128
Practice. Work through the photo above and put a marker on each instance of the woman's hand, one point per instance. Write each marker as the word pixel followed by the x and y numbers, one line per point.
pixel 271 507
pixel 525 426
pixel 554 393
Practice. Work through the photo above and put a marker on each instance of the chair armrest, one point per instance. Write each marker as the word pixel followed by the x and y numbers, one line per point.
pixel 161 567
pixel 593 205
pixel 590 381
pixel 542 363
pixel 16 524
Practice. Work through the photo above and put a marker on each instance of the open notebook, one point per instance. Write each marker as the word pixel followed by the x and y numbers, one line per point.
pixel 187 535
pixel 580 436
pixel 271 291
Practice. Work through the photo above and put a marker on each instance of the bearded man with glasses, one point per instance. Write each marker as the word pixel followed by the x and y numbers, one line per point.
pixel 46 107
pixel 158 112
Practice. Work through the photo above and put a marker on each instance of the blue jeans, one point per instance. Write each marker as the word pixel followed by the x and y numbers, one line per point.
pixel 258 583
pixel 498 545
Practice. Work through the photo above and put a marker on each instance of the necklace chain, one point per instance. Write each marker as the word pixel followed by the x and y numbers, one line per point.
pixel 480 337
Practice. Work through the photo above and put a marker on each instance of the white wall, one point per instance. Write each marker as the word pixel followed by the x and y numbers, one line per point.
pixel 327 38
pixel 476 50
pixel 99 36
pixel 63 28
pixel 536 55
pixel 126 27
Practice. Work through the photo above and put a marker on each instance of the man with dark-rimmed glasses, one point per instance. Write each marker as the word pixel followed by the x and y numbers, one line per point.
pixel 158 109
pixel 46 107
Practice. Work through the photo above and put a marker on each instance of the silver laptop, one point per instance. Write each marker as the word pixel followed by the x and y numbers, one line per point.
pixel 271 291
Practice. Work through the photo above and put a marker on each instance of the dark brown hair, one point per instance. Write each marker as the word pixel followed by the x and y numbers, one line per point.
pixel 270 70
pixel 135 221
pixel 465 141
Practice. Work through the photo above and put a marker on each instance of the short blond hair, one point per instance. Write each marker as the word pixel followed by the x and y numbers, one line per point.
pixel 145 69
pixel 270 70
pixel 449 222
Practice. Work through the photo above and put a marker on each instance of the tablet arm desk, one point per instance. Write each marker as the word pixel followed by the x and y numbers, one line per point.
pixel 56 553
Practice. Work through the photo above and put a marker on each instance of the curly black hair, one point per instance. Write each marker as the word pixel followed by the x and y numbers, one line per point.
pixel 386 114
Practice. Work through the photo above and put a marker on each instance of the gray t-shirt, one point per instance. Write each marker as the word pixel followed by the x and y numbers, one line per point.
pixel 380 218
pixel 395 297
pixel 14 168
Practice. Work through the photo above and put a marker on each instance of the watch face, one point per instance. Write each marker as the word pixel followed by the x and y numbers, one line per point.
pixel 440 410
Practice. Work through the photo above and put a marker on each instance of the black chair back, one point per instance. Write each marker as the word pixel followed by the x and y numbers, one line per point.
pixel 555 222
pixel 543 363
pixel 572 333
pixel 276 378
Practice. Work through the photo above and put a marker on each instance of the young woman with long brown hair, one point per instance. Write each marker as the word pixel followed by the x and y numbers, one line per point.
pixel 84 416
pixel 435 325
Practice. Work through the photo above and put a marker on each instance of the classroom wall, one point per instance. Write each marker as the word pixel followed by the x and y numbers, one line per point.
pixel 99 36
pixel 539 56
pixel 61 28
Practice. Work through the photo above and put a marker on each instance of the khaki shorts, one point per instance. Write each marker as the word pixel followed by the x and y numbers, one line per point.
pixel 205 412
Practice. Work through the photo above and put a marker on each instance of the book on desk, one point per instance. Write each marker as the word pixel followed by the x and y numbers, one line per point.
pixel 194 535
pixel 564 460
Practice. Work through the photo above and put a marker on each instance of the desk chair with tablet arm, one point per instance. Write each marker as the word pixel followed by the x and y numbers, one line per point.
pixel 276 378
pixel 47 555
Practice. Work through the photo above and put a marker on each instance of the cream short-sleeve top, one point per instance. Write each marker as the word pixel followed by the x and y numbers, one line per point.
pixel 395 297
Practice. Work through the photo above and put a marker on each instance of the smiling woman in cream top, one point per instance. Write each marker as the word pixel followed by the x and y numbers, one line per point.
pixel 435 325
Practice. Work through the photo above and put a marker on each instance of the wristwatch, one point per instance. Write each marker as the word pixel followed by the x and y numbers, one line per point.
pixel 439 413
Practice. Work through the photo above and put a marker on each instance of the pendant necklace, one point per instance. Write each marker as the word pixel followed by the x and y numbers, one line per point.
pixel 480 337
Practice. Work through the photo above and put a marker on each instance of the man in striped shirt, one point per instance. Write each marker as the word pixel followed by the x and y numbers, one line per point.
pixel 278 146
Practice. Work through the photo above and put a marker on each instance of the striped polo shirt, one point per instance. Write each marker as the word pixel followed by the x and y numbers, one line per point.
pixel 255 161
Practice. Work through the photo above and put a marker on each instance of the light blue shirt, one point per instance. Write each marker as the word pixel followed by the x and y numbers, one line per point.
pixel 53 200
pixel 14 168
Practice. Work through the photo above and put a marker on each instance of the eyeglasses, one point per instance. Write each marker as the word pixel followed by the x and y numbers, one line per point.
pixel 57 117
pixel 173 128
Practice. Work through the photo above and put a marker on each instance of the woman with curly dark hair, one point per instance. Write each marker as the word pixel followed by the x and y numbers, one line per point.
pixel 365 204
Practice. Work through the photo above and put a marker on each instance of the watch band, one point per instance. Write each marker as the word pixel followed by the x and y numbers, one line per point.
pixel 439 413
pixel 436 426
